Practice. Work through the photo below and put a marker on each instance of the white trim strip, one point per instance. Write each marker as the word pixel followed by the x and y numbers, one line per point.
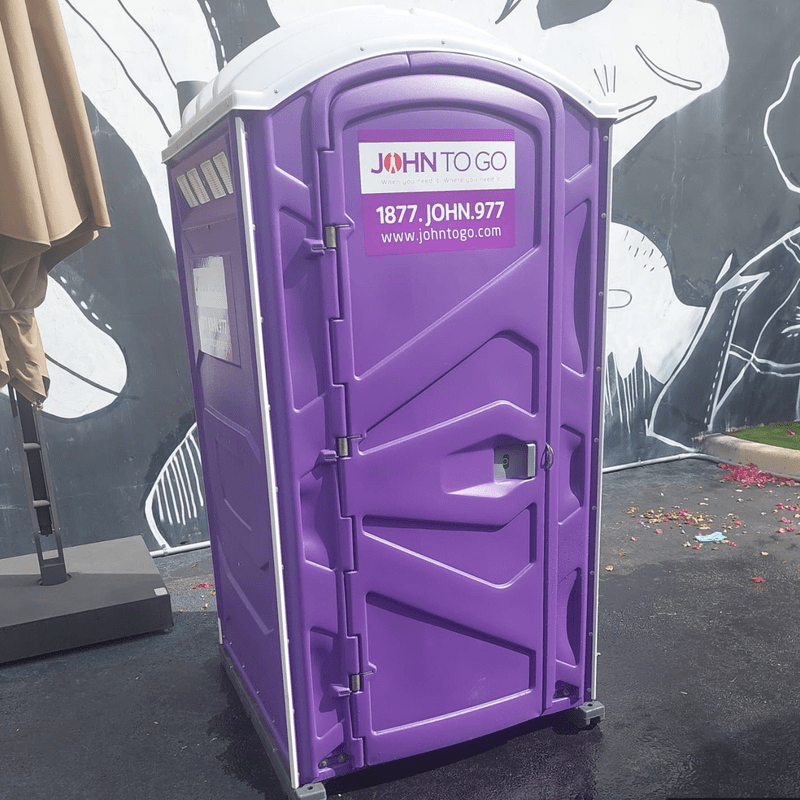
pixel 602 417
pixel 272 487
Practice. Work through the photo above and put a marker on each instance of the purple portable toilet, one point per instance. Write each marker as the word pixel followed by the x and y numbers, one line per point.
pixel 391 237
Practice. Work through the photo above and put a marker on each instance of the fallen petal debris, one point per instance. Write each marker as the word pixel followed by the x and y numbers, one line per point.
pixel 751 475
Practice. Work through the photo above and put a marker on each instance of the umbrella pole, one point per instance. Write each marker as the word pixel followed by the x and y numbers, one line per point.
pixel 33 450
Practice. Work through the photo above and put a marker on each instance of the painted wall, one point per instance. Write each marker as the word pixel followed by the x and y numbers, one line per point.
pixel 704 272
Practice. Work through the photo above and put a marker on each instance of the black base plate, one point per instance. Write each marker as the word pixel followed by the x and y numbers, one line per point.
pixel 114 591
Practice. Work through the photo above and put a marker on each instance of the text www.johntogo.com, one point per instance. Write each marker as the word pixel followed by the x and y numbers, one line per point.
pixel 439 234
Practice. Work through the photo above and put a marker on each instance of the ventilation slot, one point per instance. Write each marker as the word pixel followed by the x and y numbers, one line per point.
pixel 221 163
pixel 196 182
pixel 213 179
pixel 186 190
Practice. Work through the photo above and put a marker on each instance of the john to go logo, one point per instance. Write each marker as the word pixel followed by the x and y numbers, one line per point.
pixel 419 161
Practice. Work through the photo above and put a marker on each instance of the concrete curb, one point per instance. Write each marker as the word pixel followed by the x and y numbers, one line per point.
pixel 779 461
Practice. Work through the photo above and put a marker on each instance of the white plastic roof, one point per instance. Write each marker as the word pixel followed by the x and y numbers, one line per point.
pixel 295 55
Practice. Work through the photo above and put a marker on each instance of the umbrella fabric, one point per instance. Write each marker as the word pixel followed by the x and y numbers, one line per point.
pixel 51 194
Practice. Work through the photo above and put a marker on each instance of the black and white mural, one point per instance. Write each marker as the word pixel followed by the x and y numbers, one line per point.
pixel 703 324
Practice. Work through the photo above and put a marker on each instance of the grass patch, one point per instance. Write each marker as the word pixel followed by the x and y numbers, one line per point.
pixel 779 434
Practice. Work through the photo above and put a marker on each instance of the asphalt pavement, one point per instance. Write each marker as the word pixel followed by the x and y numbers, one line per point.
pixel 697 670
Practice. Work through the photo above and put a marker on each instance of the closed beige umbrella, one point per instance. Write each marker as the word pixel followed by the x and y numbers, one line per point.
pixel 51 194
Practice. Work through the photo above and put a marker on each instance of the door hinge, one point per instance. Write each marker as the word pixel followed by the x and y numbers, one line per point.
pixel 329 236
pixel 343 445
pixel 342 450
pixel 356 682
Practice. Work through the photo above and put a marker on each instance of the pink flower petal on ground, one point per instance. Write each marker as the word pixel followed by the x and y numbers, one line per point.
pixel 752 475
pixel 791 433
pixel 658 530
pixel 785 519
pixel 633 538
pixel 757 579
pixel 204 585
pixel 732 544
pixel 696 546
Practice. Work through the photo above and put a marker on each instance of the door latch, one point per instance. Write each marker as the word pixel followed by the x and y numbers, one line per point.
pixel 515 460
pixel 530 447
pixel 547 459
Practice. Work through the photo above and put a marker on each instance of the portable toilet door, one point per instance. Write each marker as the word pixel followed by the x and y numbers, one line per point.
pixel 439 183
pixel 429 215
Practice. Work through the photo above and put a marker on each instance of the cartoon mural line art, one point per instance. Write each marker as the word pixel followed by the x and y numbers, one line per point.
pixel 779 130
pixel 650 57
pixel 648 330
pixel 750 328
pixel 755 314
pixel 176 500
pixel 681 309
pixel 86 366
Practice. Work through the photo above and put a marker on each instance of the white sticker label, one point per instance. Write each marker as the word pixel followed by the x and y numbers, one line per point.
pixel 395 167
pixel 211 301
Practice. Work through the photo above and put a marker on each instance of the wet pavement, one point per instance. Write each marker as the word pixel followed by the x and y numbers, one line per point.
pixel 698 672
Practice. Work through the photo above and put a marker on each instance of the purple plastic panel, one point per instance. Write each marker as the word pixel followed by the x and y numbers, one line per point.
pixel 216 298
pixel 577 391
pixel 438 579
pixel 298 285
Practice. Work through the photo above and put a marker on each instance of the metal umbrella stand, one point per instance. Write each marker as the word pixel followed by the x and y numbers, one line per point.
pixel 52 204
pixel 44 517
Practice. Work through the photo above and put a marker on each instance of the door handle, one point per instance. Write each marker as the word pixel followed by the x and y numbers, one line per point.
pixel 516 460
pixel 532 462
